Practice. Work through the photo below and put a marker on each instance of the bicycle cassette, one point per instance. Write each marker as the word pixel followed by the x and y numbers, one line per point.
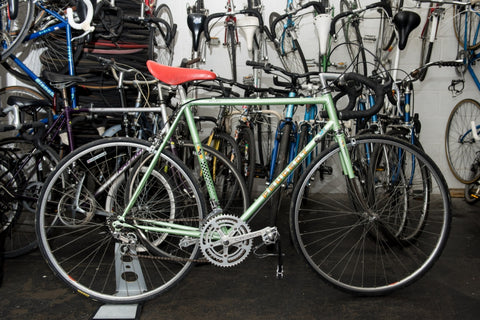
pixel 221 240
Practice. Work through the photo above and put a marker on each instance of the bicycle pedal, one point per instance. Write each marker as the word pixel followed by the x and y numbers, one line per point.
pixel 214 41
pixel 280 274
pixel 260 171
pixel 326 170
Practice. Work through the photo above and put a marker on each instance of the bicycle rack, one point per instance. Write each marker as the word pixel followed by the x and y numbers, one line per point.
pixel 129 278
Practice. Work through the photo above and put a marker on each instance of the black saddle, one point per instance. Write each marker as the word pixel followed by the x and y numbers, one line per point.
pixel 26 103
pixel 405 22
pixel 195 23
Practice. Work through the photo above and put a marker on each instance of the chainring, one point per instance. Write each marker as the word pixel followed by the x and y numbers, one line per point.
pixel 215 241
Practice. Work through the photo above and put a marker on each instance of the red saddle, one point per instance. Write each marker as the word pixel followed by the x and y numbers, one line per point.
pixel 175 76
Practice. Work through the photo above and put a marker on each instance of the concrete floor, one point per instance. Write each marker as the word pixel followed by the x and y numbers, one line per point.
pixel 451 290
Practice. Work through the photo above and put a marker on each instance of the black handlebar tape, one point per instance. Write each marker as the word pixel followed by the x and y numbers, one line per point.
pixel 207 21
pixel 319 7
pixel 336 18
pixel 274 23
pixel 379 92
pixel 382 4
pixel 257 15
pixel 279 83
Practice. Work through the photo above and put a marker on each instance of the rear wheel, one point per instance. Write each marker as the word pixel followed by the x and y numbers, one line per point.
pixel 78 209
pixel 232 192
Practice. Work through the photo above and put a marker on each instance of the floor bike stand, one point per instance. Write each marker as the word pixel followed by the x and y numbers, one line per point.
pixel 130 280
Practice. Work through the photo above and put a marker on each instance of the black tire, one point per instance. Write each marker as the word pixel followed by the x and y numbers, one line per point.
pixel 303 139
pixel 232 192
pixel 246 142
pixel 48 54
pixel 288 49
pixel 226 145
pixel 30 167
pixel 460 146
pixel 427 46
pixel 471 192
pixel 264 131
pixel 75 216
pixel 160 49
pixel 339 239
pixel 14 31
pixel 353 38
pixel 460 13
pixel 404 134
pixel 280 163
pixel 232 50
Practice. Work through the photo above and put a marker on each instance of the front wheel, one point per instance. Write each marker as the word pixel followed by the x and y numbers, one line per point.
pixel 364 235
pixel 77 215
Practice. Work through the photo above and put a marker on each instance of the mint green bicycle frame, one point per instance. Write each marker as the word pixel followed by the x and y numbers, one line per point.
pixel 185 110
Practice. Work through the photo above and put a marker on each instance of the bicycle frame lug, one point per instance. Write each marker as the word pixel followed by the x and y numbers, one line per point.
pixel 216 211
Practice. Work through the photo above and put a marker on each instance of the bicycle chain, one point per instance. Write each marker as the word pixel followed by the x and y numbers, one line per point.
pixel 166 258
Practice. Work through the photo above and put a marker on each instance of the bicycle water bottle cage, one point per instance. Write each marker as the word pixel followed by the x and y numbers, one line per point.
pixel 405 22
pixel 174 76
pixel 195 23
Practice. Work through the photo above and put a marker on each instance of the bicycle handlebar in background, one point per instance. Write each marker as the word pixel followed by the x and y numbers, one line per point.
pixel 474 131
pixel 382 4
pixel 223 14
pixel 348 112
pixel 85 25
pixel 319 8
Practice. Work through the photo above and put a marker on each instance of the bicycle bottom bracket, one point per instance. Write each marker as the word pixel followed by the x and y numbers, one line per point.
pixel 216 241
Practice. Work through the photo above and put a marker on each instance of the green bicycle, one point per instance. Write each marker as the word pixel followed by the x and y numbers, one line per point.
pixel 122 220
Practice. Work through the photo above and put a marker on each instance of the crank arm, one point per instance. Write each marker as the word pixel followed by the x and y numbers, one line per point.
pixel 269 235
